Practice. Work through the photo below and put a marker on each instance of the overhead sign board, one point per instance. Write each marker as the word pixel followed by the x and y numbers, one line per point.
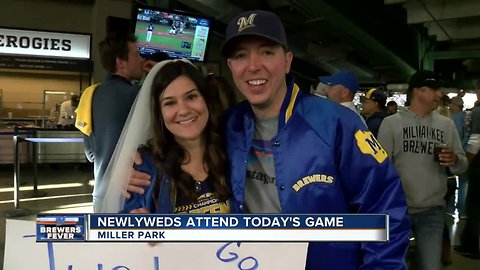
pixel 47 44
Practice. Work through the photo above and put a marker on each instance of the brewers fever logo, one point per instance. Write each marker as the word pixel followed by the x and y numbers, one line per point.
pixel 368 144
pixel 60 227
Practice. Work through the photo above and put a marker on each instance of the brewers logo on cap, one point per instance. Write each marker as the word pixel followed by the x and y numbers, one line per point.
pixel 258 23
pixel 244 22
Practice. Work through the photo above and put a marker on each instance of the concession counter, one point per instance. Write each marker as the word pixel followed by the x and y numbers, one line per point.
pixel 45 152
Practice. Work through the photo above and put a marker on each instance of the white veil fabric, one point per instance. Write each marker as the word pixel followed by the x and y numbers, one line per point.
pixel 136 131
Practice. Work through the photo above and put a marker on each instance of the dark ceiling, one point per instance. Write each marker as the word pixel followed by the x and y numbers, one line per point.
pixel 382 41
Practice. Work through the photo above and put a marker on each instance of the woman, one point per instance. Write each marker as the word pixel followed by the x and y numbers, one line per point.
pixel 183 155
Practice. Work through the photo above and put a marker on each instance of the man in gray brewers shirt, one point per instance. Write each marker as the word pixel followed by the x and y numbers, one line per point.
pixel 410 138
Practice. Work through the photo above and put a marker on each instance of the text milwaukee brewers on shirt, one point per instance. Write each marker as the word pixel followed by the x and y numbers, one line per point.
pixel 39 43
pixel 421 139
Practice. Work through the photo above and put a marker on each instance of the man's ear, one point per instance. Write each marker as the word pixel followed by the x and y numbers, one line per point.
pixel 345 92
pixel 119 63
pixel 415 91
pixel 288 61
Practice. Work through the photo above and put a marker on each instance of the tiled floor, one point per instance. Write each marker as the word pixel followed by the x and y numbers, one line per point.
pixel 68 191
pixel 459 262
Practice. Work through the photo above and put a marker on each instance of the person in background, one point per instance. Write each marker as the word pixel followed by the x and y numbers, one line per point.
pixel 392 107
pixel 341 88
pixel 463 128
pixel 154 58
pixel 470 238
pixel 149 32
pixel 184 156
pixel 458 116
pixel 318 88
pixel 423 146
pixel 220 93
pixel 373 107
pixel 119 56
pixel 280 137
pixel 66 118
pixel 443 105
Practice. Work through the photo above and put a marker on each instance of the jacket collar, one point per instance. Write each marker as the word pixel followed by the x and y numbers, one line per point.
pixel 289 102
pixel 288 105
pixel 111 77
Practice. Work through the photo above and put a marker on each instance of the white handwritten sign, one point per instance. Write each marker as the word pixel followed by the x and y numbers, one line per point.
pixel 22 252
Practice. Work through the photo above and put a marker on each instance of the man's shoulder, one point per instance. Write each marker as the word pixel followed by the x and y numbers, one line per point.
pixel 115 80
pixel 117 87
pixel 393 118
pixel 476 112
pixel 315 104
pixel 459 115
pixel 320 113
pixel 442 118
pixel 374 120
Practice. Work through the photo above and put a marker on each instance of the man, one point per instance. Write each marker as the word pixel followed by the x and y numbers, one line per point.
pixel 154 58
pixel 66 119
pixel 373 107
pixel 470 237
pixel 475 122
pixel 461 121
pixel 280 137
pixel 111 102
pixel 392 107
pixel 410 137
pixel 442 107
pixel 341 88
pixel 318 88
pixel 458 116
pixel 174 29
pixel 149 32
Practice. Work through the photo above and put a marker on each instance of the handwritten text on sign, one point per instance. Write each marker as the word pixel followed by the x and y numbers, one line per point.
pixel 20 239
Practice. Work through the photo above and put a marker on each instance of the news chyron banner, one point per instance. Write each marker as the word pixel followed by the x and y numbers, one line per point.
pixel 213 228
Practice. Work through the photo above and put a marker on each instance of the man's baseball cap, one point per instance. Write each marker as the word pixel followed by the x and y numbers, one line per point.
pixel 259 23
pixel 345 78
pixel 424 78
pixel 377 95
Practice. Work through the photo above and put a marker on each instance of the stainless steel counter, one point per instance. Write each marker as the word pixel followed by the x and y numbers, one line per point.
pixel 46 152
pixel 60 152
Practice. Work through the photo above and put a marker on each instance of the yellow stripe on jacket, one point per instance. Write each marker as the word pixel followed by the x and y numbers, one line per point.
pixel 84 121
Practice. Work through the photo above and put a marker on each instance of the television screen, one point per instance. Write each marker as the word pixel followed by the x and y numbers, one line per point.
pixel 176 33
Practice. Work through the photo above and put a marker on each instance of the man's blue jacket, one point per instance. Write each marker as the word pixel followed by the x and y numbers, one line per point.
pixel 325 162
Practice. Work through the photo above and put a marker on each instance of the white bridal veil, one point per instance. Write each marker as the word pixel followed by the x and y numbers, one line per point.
pixel 136 131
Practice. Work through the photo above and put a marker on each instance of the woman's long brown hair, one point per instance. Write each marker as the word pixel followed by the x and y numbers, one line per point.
pixel 169 155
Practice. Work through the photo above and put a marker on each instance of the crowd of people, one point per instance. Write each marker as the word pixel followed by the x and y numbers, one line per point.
pixel 194 149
